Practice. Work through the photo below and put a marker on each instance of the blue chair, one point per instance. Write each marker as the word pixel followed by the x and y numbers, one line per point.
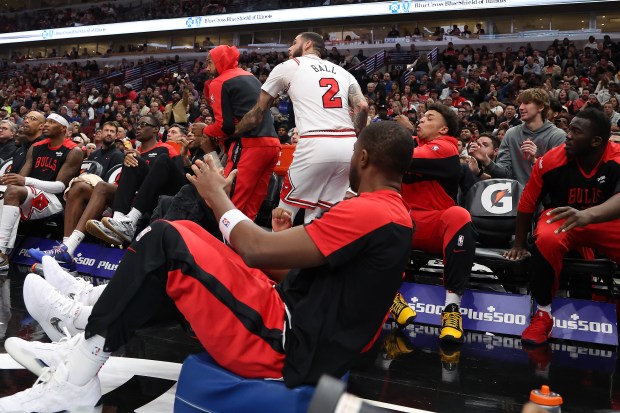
pixel 204 386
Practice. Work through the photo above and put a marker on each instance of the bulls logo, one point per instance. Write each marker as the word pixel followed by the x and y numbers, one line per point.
pixel 497 198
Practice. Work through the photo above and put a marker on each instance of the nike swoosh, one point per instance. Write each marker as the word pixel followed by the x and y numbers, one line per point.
pixel 54 321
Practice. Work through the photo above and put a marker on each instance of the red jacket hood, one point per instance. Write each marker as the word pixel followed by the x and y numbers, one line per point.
pixel 224 58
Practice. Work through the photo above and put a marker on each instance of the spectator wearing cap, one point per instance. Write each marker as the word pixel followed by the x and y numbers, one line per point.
pixel 130 93
pixel 7 139
pixel 457 99
pixel 5 112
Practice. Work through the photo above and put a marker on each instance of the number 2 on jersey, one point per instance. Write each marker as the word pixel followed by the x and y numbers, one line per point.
pixel 329 99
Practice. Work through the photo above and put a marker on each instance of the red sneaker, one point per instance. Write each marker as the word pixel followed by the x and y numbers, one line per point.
pixel 539 329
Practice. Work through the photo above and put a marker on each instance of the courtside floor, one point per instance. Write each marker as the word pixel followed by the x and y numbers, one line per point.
pixel 486 374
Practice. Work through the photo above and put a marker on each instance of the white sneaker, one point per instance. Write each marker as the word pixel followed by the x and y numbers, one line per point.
pixel 97 229
pixel 124 228
pixel 52 393
pixel 36 356
pixel 54 311
pixel 75 288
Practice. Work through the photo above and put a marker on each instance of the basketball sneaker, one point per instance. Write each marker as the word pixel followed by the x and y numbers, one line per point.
pixel 36 356
pixel 97 229
pixel 401 312
pixel 539 329
pixel 52 310
pixel 124 228
pixel 59 253
pixel 451 325
pixel 75 288
pixel 53 393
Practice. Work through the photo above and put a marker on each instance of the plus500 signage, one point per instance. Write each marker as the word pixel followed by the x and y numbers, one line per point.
pixel 510 313
pixel 91 259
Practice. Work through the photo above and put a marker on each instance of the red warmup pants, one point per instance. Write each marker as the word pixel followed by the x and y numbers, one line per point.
pixel 254 159
pixel 448 232
pixel 235 311
pixel 551 248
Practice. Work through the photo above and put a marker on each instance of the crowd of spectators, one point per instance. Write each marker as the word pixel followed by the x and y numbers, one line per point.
pixel 118 12
pixel 480 85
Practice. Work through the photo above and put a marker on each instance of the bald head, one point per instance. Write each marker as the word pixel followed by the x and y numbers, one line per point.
pixel 33 124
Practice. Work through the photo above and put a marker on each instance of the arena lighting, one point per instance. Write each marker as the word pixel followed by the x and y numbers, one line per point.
pixel 273 16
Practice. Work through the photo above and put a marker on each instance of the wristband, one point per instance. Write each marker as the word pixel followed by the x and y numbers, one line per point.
pixel 229 220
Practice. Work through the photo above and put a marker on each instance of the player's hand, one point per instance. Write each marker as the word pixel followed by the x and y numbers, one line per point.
pixel 131 160
pixel 573 218
pixel 197 128
pixel 516 253
pixel 528 148
pixel 209 180
pixel 281 219
pixel 13 179
pixel 473 165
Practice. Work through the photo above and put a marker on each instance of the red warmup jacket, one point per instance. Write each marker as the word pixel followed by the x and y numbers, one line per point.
pixel 231 95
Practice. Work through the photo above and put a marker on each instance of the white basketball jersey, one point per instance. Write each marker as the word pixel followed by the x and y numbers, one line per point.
pixel 319 91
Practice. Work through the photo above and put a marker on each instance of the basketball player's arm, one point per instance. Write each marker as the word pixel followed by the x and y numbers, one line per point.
pixel 71 168
pixel 573 218
pixel 258 248
pixel 522 227
pixel 254 117
pixel 358 103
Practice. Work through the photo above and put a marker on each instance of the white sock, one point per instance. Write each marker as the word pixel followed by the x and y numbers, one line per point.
pixel 74 241
pixel 452 298
pixel 85 360
pixel 95 293
pixel 82 318
pixel 545 308
pixel 9 218
pixel 134 215
pixel 64 240
pixel 119 215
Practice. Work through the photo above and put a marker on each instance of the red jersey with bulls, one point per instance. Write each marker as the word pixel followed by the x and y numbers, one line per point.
pixel 560 181
pixel 47 160
pixel 431 183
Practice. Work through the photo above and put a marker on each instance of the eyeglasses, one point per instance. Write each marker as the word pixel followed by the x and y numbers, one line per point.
pixel 143 124
pixel 31 118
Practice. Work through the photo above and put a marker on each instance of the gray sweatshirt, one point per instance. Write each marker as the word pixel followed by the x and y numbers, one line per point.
pixel 510 162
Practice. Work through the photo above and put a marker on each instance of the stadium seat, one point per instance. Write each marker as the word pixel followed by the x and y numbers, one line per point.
pixel 204 386
pixel 6 166
pixel 114 174
pixel 91 167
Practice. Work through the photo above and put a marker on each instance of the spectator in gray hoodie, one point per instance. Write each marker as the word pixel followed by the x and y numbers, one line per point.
pixel 524 143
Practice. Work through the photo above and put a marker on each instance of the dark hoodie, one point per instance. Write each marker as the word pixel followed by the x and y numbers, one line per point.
pixel 232 94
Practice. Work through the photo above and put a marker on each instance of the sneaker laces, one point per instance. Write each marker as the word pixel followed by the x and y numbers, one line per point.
pixel 452 319
pixel 398 305
pixel 64 304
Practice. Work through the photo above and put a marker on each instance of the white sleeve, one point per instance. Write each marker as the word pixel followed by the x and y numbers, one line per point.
pixel 52 187
pixel 279 78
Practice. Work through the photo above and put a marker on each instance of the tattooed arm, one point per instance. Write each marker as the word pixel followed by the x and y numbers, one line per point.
pixel 254 117
pixel 359 106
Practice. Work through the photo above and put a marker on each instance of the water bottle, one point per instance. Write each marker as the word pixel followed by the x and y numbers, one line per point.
pixel 547 399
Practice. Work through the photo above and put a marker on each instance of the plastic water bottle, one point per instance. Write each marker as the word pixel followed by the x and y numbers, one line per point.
pixel 547 399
